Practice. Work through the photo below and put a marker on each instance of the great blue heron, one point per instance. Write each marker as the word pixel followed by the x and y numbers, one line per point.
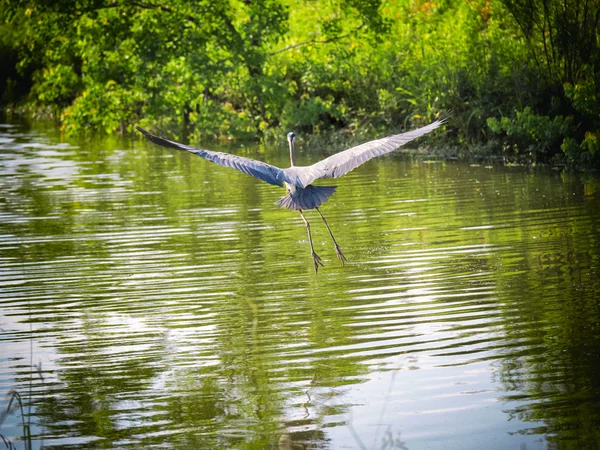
pixel 301 194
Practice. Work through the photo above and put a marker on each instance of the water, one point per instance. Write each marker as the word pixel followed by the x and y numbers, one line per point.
pixel 171 304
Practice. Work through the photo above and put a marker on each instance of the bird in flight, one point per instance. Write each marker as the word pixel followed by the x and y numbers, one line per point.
pixel 301 193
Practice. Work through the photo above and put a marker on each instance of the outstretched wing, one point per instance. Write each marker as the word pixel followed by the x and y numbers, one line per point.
pixel 343 162
pixel 257 169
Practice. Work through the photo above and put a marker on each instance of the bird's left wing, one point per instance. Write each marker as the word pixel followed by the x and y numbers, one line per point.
pixel 343 162
pixel 257 169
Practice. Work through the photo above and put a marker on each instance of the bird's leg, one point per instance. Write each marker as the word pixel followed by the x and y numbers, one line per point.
pixel 317 261
pixel 338 251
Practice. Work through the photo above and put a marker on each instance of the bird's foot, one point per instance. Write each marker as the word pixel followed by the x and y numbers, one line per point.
pixel 340 255
pixel 317 261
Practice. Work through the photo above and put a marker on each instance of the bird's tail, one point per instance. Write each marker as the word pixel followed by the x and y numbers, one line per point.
pixel 310 197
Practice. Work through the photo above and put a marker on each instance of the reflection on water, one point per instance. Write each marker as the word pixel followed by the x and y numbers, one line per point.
pixel 171 304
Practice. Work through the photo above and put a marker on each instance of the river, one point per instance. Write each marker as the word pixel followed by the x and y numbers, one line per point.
pixel 151 299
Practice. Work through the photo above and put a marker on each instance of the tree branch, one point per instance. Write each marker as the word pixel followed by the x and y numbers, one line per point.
pixel 148 6
pixel 316 41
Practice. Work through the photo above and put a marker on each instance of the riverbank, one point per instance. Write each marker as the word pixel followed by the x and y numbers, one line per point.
pixel 362 67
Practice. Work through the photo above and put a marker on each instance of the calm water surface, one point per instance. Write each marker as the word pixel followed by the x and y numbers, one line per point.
pixel 171 304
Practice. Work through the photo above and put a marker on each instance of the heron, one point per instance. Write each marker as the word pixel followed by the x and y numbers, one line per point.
pixel 298 180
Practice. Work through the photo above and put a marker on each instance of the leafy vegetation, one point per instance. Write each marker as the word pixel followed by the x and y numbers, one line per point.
pixel 521 78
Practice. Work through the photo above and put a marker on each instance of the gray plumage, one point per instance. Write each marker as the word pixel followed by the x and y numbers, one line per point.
pixel 257 169
pixel 309 197
pixel 345 161
pixel 298 179
pixel 303 176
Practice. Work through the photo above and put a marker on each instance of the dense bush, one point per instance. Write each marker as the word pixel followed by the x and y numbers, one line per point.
pixel 521 74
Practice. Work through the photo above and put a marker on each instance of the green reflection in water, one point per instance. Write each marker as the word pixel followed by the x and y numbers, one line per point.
pixel 172 304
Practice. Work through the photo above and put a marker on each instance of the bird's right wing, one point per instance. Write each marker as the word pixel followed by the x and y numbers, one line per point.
pixel 343 162
pixel 257 169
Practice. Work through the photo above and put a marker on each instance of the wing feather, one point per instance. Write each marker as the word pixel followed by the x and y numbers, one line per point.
pixel 343 162
pixel 257 169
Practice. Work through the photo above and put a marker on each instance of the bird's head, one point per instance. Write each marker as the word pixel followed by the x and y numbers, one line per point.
pixel 291 136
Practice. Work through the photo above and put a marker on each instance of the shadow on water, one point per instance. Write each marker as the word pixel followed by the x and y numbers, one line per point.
pixel 174 305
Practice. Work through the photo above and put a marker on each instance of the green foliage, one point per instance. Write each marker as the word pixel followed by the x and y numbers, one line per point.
pixel 310 113
pixel 563 40
pixel 562 35
pixel 531 133
pixel 242 69
pixel 57 84
pixel 108 108
pixel 584 96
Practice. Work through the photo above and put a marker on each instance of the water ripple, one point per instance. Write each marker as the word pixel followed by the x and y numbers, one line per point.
pixel 170 303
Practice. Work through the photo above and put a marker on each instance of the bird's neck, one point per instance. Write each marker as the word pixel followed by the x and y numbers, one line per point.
pixel 292 157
